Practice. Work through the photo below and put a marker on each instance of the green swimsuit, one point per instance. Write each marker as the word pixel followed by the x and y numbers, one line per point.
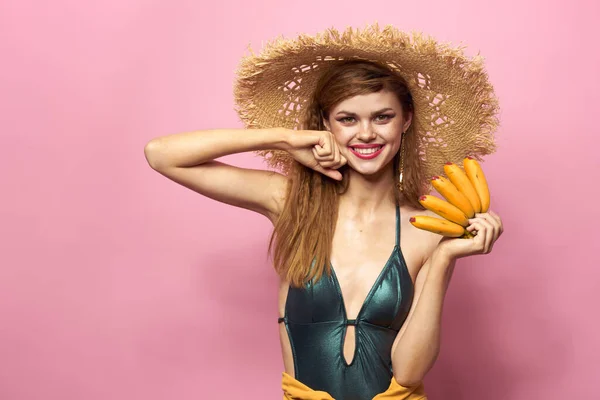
pixel 315 320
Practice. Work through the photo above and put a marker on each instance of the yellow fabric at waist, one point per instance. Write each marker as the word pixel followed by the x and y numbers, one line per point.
pixel 296 390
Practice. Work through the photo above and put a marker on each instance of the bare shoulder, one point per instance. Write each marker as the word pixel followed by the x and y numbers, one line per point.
pixel 417 244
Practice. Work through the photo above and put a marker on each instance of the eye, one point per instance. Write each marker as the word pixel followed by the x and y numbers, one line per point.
pixel 384 117
pixel 346 120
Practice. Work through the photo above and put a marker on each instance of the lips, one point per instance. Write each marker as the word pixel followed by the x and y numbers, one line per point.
pixel 367 152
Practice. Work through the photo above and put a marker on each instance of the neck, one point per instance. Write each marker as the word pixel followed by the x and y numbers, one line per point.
pixel 367 194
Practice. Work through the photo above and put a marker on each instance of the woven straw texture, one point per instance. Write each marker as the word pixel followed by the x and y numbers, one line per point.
pixel 455 106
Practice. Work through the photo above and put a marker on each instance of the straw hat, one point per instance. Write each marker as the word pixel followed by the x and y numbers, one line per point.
pixel 455 106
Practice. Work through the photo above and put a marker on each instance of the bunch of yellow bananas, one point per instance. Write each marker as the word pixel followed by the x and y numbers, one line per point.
pixel 467 193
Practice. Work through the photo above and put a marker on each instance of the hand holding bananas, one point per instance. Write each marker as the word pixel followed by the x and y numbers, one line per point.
pixel 467 194
pixel 465 211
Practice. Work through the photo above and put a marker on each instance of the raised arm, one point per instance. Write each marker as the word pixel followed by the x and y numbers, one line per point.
pixel 189 159
pixel 417 345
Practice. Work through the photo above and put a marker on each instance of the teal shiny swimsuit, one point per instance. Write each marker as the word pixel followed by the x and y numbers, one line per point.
pixel 315 320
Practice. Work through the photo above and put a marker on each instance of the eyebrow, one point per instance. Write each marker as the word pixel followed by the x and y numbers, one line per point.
pixel 372 114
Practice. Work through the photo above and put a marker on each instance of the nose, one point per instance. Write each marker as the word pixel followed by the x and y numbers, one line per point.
pixel 366 132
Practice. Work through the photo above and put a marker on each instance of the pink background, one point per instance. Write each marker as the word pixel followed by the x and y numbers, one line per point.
pixel 116 283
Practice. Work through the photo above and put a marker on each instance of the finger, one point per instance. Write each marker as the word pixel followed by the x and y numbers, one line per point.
pixel 336 152
pixel 316 154
pixel 489 236
pixel 488 231
pixel 498 220
pixel 333 163
pixel 473 222
pixel 331 147
pixel 496 225
pixel 483 239
pixel 478 229
pixel 490 219
pixel 499 223
pixel 323 148
pixel 338 161
pixel 323 153
pixel 474 227
pixel 329 164
pixel 332 173
pixel 335 174
pixel 487 215
pixel 343 161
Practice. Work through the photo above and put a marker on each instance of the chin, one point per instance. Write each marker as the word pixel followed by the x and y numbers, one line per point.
pixel 367 170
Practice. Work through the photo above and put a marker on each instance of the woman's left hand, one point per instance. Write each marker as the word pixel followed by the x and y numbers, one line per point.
pixel 487 228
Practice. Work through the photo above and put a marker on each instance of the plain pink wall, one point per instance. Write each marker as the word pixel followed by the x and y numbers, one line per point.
pixel 116 283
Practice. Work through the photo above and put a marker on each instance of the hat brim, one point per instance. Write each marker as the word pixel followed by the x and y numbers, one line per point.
pixel 455 105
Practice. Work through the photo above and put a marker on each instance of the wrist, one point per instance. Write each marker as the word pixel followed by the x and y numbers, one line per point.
pixel 280 138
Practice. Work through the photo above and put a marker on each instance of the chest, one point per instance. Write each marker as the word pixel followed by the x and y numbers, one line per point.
pixel 360 253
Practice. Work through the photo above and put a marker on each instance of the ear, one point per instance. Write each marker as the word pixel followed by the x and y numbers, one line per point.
pixel 326 124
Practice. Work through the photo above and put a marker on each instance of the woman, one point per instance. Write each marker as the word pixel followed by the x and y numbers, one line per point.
pixel 357 123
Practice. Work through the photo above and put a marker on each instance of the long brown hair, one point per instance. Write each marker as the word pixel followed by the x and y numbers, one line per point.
pixel 303 234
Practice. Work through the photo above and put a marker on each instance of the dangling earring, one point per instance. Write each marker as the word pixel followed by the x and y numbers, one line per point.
pixel 400 183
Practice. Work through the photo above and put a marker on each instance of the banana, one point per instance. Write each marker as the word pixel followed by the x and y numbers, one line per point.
pixel 460 179
pixel 444 209
pixel 453 195
pixel 477 178
pixel 438 225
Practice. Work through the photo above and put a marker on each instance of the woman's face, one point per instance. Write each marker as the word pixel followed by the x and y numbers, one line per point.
pixel 368 129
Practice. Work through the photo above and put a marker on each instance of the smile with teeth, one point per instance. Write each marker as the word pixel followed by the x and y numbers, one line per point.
pixel 369 150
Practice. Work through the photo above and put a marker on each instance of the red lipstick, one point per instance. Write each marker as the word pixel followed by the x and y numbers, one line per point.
pixel 366 146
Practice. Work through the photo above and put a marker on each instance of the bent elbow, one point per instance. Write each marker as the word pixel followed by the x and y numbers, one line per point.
pixel 152 152
pixel 408 380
